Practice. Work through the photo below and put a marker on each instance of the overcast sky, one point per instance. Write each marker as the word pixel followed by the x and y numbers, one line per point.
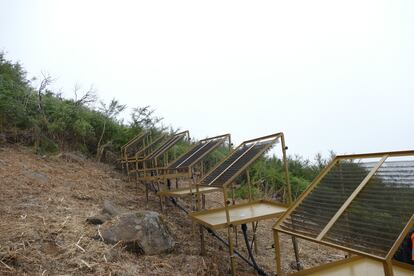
pixel 332 75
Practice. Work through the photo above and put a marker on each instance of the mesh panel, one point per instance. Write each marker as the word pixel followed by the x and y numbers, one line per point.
pixel 135 146
pixel 315 211
pixel 201 153
pixel 233 165
pixel 230 159
pixel 151 147
pixel 380 211
pixel 166 146
pixel 185 156
pixel 132 149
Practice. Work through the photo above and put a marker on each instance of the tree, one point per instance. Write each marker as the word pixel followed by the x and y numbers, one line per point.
pixel 110 111
pixel 143 118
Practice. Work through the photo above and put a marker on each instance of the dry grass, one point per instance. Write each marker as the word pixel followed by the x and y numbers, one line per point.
pixel 44 205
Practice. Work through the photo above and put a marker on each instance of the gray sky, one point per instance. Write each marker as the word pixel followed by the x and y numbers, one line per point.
pixel 332 75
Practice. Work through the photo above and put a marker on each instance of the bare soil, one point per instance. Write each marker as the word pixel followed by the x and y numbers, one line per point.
pixel 44 203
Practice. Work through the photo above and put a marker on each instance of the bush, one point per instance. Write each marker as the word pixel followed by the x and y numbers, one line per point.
pixel 56 123
pixel 50 123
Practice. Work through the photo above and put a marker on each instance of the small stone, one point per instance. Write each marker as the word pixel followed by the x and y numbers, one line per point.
pixel 294 265
pixel 98 219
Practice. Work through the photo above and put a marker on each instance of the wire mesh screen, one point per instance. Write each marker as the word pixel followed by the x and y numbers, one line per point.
pixel 132 149
pixel 380 211
pixel 208 147
pixel 222 166
pixel 136 145
pixel 185 156
pixel 315 211
pixel 147 150
pixel 166 146
pixel 234 164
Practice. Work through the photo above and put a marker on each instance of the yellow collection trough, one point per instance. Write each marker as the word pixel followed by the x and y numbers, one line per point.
pixel 239 214
pixel 356 266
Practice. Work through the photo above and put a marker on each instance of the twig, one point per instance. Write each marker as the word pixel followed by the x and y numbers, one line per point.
pixel 115 244
pixel 44 222
pixel 66 220
pixel 80 247
pixel 204 263
pixel 63 224
pixel 99 233
pixel 44 271
pixel 79 239
pixel 85 263
pixel 77 244
pixel 105 258
pixel 7 265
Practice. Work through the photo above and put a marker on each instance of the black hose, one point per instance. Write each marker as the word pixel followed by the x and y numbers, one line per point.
pixel 258 269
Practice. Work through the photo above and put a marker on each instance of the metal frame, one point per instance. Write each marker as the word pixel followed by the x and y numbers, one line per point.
pixel 387 260
pixel 229 184
pixel 149 164
pixel 144 152
pixel 189 172
pixel 174 173
pixel 144 137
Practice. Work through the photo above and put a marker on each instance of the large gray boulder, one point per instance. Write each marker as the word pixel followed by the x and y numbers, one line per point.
pixel 141 232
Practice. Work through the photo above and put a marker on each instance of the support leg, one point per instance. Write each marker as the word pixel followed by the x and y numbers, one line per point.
pixel 236 236
pixel 295 248
pixel 146 192
pixel 203 248
pixel 277 254
pixel 231 253
pixel 254 239
pixel 161 203
pixel 388 269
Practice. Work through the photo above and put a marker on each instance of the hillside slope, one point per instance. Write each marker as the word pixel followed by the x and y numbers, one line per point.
pixel 43 231
pixel 44 205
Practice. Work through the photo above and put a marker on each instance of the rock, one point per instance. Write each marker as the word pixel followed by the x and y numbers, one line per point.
pixel 141 232
pixel 81 196
pixel 3 138
pixel 72 157
pixel 109 210
pixel 38 177
pixel 98 219
pixel 112 209
pixel 294 265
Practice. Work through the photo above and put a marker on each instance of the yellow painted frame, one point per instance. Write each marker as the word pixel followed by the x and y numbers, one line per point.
pixel 274 138
pixel 387 261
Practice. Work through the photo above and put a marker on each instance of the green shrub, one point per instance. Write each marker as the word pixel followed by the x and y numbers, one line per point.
pixel 243 192
pixel 52 123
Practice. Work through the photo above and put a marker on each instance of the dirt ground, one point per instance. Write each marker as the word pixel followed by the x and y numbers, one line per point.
pixel 45 201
